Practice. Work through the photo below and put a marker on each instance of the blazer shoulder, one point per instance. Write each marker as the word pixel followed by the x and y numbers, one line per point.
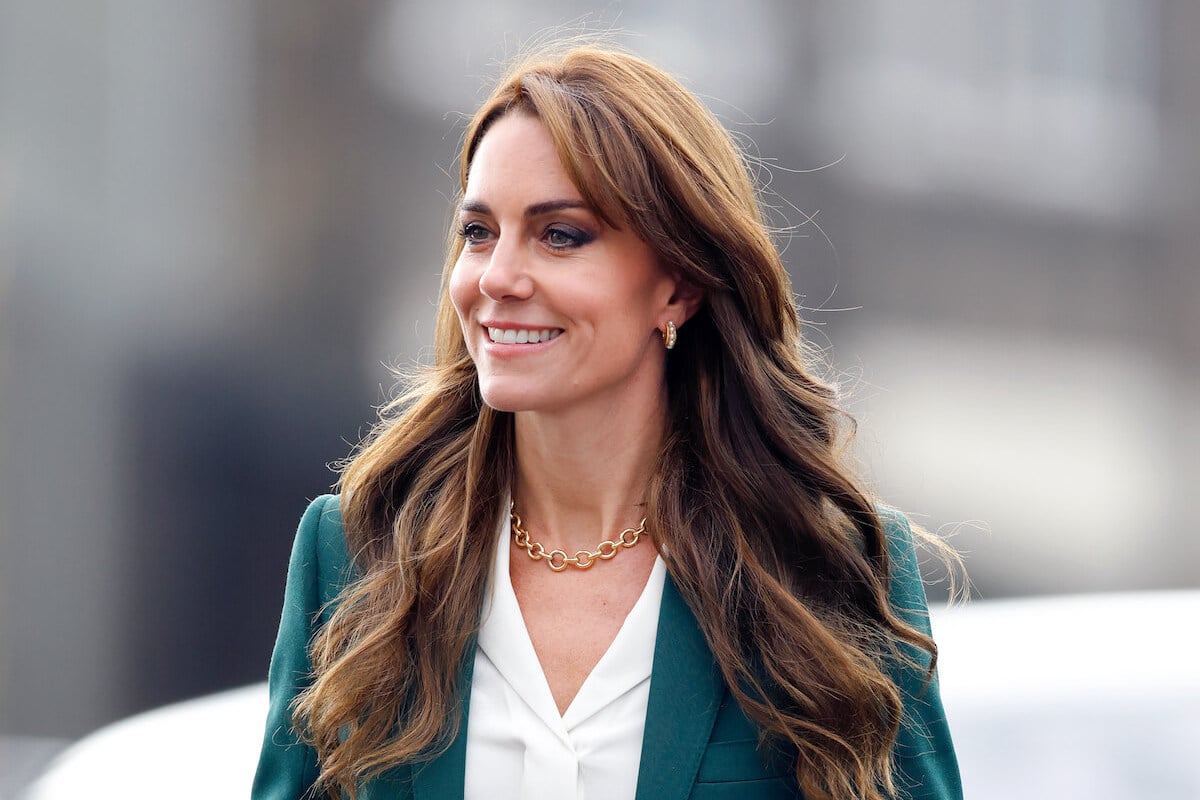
pixel 287 767
pixel 898 531
pixel 906 587
pixel 320 552
pixel 926 765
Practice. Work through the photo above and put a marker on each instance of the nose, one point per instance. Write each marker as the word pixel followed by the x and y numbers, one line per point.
pixel 506 277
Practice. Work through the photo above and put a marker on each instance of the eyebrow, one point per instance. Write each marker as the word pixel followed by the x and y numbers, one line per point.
pixel 537 209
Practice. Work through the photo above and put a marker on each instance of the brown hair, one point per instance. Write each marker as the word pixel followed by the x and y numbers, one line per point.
pixel 774 545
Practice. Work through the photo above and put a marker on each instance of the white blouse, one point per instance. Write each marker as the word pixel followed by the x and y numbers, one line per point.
pixel 518 745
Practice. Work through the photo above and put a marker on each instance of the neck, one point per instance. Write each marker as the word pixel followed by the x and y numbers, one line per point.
pixel 581 481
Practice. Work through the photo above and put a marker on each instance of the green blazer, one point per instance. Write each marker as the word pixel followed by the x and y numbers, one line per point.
pixel 697 743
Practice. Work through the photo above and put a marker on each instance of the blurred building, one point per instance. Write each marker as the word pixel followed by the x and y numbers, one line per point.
pixel 220 221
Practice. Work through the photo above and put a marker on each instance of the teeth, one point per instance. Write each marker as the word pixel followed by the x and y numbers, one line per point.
pixel 522 336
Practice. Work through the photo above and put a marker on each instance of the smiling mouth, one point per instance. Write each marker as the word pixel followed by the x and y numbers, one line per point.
pixel 522 335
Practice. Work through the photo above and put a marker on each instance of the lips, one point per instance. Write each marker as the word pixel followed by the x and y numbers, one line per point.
pixel 522 335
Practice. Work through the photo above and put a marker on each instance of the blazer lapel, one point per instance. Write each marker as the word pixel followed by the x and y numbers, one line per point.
pixel 686 688
pixel 444 777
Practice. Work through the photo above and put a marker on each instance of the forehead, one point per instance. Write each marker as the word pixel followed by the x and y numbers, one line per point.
pixel 517 160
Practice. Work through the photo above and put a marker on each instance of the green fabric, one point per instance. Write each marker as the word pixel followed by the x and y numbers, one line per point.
pixel 287 767
pixel 925 761
pixel 685 695
pixel 698 745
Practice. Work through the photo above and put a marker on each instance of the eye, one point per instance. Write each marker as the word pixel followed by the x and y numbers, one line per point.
pixel 562 237
pixel 474 233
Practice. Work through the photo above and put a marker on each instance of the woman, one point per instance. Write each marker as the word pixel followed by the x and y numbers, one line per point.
pixel 620 376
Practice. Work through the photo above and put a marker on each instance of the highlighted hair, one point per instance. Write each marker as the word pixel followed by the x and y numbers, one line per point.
pixel 773 543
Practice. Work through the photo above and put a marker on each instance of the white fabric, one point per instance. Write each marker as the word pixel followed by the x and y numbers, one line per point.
pixel 518 746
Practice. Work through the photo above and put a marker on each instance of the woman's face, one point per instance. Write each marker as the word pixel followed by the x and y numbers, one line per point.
pixel 558 310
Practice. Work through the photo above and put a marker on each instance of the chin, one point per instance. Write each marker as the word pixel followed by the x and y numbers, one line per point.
pixel 511 398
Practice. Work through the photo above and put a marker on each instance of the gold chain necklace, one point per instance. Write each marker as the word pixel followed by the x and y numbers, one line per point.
pixel 558 560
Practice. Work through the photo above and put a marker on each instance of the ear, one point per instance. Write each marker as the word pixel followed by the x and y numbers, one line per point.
pixel 685 301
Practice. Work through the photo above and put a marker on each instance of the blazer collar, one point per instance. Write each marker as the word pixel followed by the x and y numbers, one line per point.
pixel 686 689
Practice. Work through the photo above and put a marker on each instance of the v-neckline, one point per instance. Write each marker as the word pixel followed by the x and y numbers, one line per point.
pixel 686 689
pixel 628 660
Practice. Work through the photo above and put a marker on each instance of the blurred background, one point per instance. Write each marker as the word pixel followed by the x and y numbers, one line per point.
pixel 220 222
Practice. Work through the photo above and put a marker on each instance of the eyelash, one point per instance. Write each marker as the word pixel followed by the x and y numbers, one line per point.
pixel 575 238
pixel 466 230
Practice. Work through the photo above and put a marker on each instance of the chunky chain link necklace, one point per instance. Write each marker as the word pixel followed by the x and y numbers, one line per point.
pixel 558 560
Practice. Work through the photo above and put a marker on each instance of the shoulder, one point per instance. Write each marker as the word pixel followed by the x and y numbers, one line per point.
pixel 925 761
pixel 320 555
pixel 906 587
pixel 316 573
pixel 320 536
pixel 898 532
pixel 897 529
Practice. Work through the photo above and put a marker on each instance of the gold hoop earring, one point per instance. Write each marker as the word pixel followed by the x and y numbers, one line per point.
pixel 670 334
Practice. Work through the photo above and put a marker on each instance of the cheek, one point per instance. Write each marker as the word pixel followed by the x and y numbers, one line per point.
pixel 463 290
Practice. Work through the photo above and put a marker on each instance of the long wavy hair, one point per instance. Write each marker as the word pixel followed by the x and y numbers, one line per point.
pixel 775 546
